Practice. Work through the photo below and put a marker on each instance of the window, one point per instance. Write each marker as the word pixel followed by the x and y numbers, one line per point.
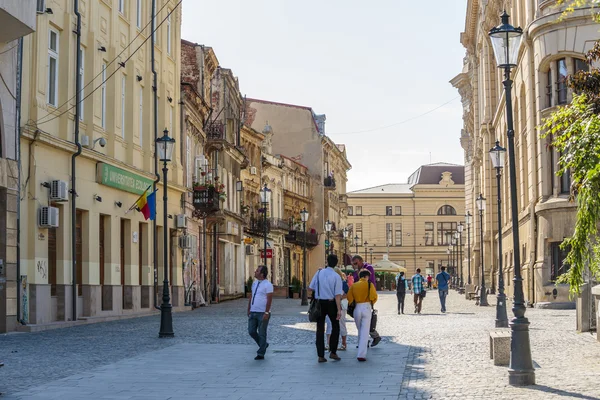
pixel 430 268
pixel 558 265
pixel 398 210
pixel 359 232
pixel 169 34
pixel 565 182
pixel 350 210
pixel 81 84
pixel 53 68
pixel 103 97
pixel 446 210
pixel 388 234
pixel 171 121
pixel 398 234
pixel 122 6
pixel 141 112
pixel 429 232
pixel 138 15
pixel 388 210
pixel 358 210
pixel 561 84
pixel 549 89
pixel 445 232
pixel 580 65
pixel 123 103
pixel 188 160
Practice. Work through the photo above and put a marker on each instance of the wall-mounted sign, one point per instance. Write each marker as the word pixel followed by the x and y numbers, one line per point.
pixel 135 236
pixel 121 179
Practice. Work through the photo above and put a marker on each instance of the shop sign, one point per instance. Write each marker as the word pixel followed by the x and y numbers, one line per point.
pixel 121 179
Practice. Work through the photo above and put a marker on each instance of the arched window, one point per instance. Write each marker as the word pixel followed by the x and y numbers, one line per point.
pixel 446 210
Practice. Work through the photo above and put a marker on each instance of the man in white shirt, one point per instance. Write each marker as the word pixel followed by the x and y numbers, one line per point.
pixel 326 286
pixel 259 310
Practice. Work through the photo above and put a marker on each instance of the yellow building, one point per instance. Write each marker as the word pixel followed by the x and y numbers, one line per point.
pixel 551 49
pixel 110 270
pixel 410 222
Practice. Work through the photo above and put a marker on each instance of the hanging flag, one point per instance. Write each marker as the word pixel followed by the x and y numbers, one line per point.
pixel 146 204
pixel 151 204
pixel 142 205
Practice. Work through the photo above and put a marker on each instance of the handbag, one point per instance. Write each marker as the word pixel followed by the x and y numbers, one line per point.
pixel 373 311
pixel 314 309
pixel 351 308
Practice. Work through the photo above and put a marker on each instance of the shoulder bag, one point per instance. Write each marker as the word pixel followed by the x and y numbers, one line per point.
pixel 314 309
pixel 373 326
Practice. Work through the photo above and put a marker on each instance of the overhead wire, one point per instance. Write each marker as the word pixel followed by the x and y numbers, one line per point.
pixel 53 117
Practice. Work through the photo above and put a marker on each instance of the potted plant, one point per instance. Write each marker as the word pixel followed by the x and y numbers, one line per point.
pixel 249 285
pixel 296 287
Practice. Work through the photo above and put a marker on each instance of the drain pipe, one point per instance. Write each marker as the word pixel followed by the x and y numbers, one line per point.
pixel 73 163
pixel 156 172
pixel 18 144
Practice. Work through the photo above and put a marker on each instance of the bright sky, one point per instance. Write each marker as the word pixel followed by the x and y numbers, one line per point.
pixel 365 64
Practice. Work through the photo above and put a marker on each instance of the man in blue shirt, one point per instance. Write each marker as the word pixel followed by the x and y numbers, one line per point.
pixel 442 282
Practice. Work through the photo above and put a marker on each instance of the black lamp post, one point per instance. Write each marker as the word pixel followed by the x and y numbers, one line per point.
pixel 506 40
pixel 371 254
pixel 345 233
pixel 498 154
pixel 328 230
pixel 461 227
pixel 366 244
pixel 304 218
pixel 468 220
pixel 448 253
pixel 164 147
pixel 454 257
pixel 265 198
pixel 482 291
pixel 356 240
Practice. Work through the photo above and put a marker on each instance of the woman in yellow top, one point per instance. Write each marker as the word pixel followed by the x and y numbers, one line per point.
pixel 364 294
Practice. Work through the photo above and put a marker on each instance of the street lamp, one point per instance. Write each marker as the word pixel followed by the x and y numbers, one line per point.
pixel 304 218
pixel 345 233
pixel 265 198
pixel 448 253
pixel 498 154
pixel 461 227
pixel 356 240
pixel 371 253
pixel 454 256
pixel 482 291
pixel 468 221
pixel 164 146
pixel 328 246
pixel 506 40
pixel 366 244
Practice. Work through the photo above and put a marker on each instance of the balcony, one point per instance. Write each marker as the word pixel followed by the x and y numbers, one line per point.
pixel 329 182
pixel 297 237
pixel 279 224
pixel 206 199
pixel 256 226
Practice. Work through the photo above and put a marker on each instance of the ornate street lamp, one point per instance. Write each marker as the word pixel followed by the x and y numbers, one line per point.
pixel 164 147
pixel 356 240
pixel 265 199
pixel 371 254
pixel 461 227
pixel 498 154
pixel 468 221
pixel 304 218
pixel 448 253
pixel 366 244
pixel 345 233
pixel 328 226
pixel 482 291
pixel 454 257
pixel 506 40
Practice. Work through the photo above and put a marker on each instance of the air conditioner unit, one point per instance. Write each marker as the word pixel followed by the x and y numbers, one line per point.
pixel 48 217
pixel 181 221
pixel 252 170
pixel 185 242
pixel 59 191
pixel 41 6
pixel 250 250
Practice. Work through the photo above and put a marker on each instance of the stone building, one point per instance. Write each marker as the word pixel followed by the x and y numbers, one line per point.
pixel 410 222
pixel 551 49
pixel 17 20
pixel 110 270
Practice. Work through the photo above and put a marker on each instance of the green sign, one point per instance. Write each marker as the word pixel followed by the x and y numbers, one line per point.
pixel 120 179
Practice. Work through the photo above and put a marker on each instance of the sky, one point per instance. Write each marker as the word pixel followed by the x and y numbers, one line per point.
pixel 375 66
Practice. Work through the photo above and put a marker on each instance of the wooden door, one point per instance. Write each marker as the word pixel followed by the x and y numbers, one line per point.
pixel 79 250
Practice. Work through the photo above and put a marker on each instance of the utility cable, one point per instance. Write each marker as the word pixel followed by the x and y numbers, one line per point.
pixel 121 64
pixel 40 121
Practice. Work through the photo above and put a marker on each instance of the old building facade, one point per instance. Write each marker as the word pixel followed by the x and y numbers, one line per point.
pixel 552 48
pixel 410 222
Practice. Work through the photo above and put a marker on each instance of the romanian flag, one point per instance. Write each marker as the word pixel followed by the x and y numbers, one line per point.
pixel 146 204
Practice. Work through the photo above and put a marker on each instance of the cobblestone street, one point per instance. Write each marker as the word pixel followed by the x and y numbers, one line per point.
pixel 422 356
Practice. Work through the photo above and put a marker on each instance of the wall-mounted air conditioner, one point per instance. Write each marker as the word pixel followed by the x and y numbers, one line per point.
pixel 250 250
pixel 185 242
pixel 59 191
pixel 48 217
pixel 181 221
pixel 253 171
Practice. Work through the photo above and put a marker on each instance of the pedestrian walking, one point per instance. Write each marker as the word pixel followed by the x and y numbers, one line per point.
pixel 418 289
pixel 442 284
pixel 401 288
pixel 364 294
pixel 344 302
pixel 358 264
pixel 429 280
pixel 259 310
pixel 326 286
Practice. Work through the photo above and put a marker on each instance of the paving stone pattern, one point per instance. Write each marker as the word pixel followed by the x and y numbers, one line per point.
pixel 431 355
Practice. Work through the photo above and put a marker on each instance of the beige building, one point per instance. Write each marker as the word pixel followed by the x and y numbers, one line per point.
pixel 550 50
pixel 17 20
pixel 410 222
pixel 112 271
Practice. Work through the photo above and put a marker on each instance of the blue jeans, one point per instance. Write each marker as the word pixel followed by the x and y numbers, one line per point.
pixel 257 328
pixel 443 293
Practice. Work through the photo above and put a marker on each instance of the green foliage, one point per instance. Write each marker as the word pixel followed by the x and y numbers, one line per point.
pixel 571 5
pixel 249 283
pixel 575 133
pixel 296 285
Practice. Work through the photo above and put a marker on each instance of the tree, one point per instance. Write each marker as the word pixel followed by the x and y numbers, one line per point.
pixel 575 133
